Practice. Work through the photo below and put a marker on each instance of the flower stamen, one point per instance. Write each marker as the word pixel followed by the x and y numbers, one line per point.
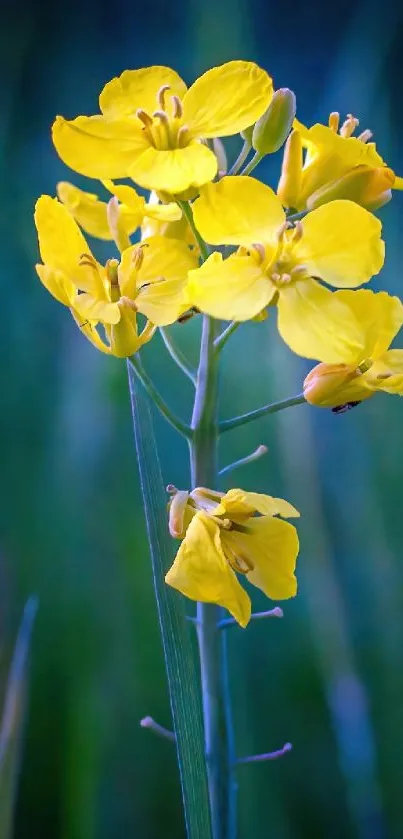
pixel 365 135
pixel 161 96
pixel 177 107
pixel 334 121
pixel 349 126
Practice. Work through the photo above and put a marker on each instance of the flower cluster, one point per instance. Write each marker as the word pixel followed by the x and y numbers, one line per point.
pixel 214 240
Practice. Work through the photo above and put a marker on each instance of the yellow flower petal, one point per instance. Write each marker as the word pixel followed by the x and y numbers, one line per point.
pixel 163 258
pixel 379 316
pixel 124 335
pixel 341 243
pixel 122 96
pixel 98 147
pixel 237 503
pixel 238 210
pixel 315 324
pixel 227 99
pixel 387 373
pixel 163 302
pixel 163 212
pixel 86 208
pixel 57 283
pixel 230 289
pixel 271 545
pixel 174 170
pixel 88 329
pixel 332 385
pixel 61 244
pixel 97 310
pixel 200 570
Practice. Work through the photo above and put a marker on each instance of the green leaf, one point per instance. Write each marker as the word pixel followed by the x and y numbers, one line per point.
pixel 12 723
pixel 182 679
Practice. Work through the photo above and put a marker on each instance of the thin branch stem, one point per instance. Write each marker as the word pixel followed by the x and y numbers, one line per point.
pixel 241 158
pixel 187 212
pixel 148 722
pixel 243 461
pixel 257 157
pixel 297 216
pixel 236 422
pixel 154 394
pixel 277 612
pixel 222 339
pixel 267 756
pixel 177 356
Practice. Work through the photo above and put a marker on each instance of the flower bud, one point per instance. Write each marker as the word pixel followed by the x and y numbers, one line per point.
pixel 247 134
pixel 330 385
pixel 274 126
pixel 371 188
pixel 289 185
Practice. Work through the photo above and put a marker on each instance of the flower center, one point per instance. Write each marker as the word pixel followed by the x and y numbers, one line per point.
pixel 348 127
pixel 164 128
pixel 279 263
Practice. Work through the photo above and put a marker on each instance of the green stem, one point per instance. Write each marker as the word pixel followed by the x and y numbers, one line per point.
pixel 235 422
pixel 241 158
pixel 297 216
pixel 222 339
pixel 217 719
pixel 187 212
pixel 152 391
pixel 257 157
pixel 177 356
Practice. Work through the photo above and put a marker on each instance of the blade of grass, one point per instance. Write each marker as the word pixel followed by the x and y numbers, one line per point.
pixel 181 674
pixel 13 719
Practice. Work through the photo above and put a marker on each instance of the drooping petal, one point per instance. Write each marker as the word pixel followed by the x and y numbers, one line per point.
pixel 61 244
pixel 315 324
pixel 200 570
pixel 341 244
pixel 238 210
pixel 86 208
pixel 379 315
pixel 230 289
pixel 227 99
pixel 133 89
pixel 271 546
pixel 238 503
pixel 98 147
pixel 174 170
pixel 57 283
pixel 88 328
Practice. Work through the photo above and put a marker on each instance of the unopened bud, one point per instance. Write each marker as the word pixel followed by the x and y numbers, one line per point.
pixel 247 134
pixel 289 185
pixel 371 188
pixel 274 126
pixel 330 385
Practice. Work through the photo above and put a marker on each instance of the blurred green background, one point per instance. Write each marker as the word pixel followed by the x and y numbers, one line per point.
pixel 329 677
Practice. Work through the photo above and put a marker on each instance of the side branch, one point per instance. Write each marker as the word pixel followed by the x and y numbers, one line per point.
pixel 177 355
pixel 228 425
pixel 154 394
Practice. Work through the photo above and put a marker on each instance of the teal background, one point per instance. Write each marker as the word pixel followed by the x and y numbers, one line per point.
pixel 329 677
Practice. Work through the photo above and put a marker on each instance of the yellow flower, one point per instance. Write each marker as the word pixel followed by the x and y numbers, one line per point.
pixel 337 165
pixel 222 537
pixel 151 127
pixel 365 364
pixel 150 279
pixel 92 214
pixel 276 264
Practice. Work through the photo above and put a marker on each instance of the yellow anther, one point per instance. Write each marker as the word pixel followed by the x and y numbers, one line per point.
pixel 365 135
pixel 177 107
pixel 365 365
pixel 349 126
pixel 183 136
pixel 334 121
pixel 260 250
pixel 297 232
pixel 144 117
pixel 88 260
pixel 138 257
pixel 285 278
pixel 163 116
pixel 161 96
pixel 127 303
pixel 275 277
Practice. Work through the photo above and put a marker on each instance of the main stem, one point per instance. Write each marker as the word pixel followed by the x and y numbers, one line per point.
pixel 217 720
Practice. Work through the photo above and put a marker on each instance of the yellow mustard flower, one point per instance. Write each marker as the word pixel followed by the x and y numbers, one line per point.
pixel 150 278
pixel 222 537
pixel 365 364
pixel 337 165
pixel 92 214
pixel 339 243
pixel 151 127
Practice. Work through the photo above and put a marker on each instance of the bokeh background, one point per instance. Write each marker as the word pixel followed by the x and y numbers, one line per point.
pixel 329 677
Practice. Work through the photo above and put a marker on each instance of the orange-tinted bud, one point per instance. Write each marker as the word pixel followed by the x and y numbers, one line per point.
pixel 330 385
pixel 371 188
